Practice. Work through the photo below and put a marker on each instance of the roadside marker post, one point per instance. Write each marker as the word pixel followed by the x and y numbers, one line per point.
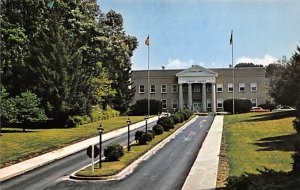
pixel 92 151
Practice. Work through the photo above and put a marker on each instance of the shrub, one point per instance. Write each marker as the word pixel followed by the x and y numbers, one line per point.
pixel 240 105
pixel 143 137
pixel 113 152
pixel 180 117
pixel 185 115
pixel 268 105
pixel 152 132
pixel 158 129
pixel 76 120
pixel 100 114
pixel 141 107
pixel 296 124
pixel 175 118
pixel 166 122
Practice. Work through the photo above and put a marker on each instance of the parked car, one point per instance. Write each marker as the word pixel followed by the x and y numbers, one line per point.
pixel 259 109
pixel 283 108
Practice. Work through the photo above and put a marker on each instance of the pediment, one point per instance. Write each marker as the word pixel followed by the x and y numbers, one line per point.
pixel 197 71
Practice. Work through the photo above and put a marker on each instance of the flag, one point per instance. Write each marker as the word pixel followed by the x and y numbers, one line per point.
pixel 147 42
pixel 231 39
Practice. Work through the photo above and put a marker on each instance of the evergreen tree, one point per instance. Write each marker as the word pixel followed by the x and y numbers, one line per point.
pixel 57 75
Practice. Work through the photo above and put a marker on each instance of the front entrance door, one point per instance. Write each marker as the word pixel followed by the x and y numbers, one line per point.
pixel 197 107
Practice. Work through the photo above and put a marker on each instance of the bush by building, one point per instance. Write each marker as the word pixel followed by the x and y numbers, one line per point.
pixel 268 105
pixel 141 107
pixel 240 105
pixel 113 152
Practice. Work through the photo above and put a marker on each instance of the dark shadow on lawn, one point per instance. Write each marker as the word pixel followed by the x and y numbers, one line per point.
pixel 273 116
pixel 266 179
pixel 3 131
pixel 282 143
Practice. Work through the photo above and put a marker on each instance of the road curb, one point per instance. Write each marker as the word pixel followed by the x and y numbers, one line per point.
pixel 129 169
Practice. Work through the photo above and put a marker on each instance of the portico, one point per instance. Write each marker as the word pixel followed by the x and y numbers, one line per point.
pixel 193 78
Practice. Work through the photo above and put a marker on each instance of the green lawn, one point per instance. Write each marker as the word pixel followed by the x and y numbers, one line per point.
pixel 16 145
pixel 256 140
pixel 111 168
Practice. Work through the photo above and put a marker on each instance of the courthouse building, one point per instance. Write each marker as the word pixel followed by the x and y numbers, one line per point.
pixel 200 89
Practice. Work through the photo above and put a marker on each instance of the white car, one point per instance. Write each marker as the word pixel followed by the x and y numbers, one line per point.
pixel 284 108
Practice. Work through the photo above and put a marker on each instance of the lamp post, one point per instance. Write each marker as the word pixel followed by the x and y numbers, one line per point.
pixel 128 125
pixel 146 119
pixel 100 130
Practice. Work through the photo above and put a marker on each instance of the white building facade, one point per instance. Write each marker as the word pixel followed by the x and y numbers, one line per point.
pixel 200 89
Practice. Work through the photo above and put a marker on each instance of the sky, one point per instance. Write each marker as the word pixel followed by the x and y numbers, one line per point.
pixel 189 32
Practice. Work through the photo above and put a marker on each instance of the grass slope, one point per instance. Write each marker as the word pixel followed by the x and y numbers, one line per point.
pixel 256 140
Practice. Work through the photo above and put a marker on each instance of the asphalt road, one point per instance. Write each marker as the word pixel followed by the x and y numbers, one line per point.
pixel 167 169
pixel 50 174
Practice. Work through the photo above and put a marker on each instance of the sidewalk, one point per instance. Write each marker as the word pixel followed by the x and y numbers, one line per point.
pixel 203 174
pixel 27 165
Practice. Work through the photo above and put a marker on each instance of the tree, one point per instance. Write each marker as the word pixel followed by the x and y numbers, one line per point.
pixel 58 75
pixel 272 75
pixel 286 88
pixel 117 59
pixel 239 65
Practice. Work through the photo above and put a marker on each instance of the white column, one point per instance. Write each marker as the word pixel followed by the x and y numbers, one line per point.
pixel 204 97
pixel 213 97
pixel 190 97
pixel 180 97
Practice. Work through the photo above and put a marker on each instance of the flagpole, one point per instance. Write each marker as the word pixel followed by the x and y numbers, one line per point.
pixel 149 89
pixel 232 71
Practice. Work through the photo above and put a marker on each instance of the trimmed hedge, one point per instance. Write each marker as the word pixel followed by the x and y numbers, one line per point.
pixel 141 107
pixel 240 105
pixel 158 129
pixel 113 152
pixel 143 137
pixel 166 122
pixel 267 105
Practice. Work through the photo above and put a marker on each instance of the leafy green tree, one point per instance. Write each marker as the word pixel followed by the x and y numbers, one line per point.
pixel 117 59
pixel 14 50
pixel 286 88
pixel 28 109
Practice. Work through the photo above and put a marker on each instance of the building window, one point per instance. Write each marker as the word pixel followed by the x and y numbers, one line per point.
pixel 174 88
pixel 152 90
pixel 197 88
pixel 220 87
pixel 242 87
pixel 208 88
pixel 174 103
pixel 254 102
pixel 219 102
pixel 253 86
pixel 230 87
pixel 208 103
pixel 142 89
pixel 163 88
pixel 164 104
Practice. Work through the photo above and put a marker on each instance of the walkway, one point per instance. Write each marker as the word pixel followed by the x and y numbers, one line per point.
pixel 203 174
